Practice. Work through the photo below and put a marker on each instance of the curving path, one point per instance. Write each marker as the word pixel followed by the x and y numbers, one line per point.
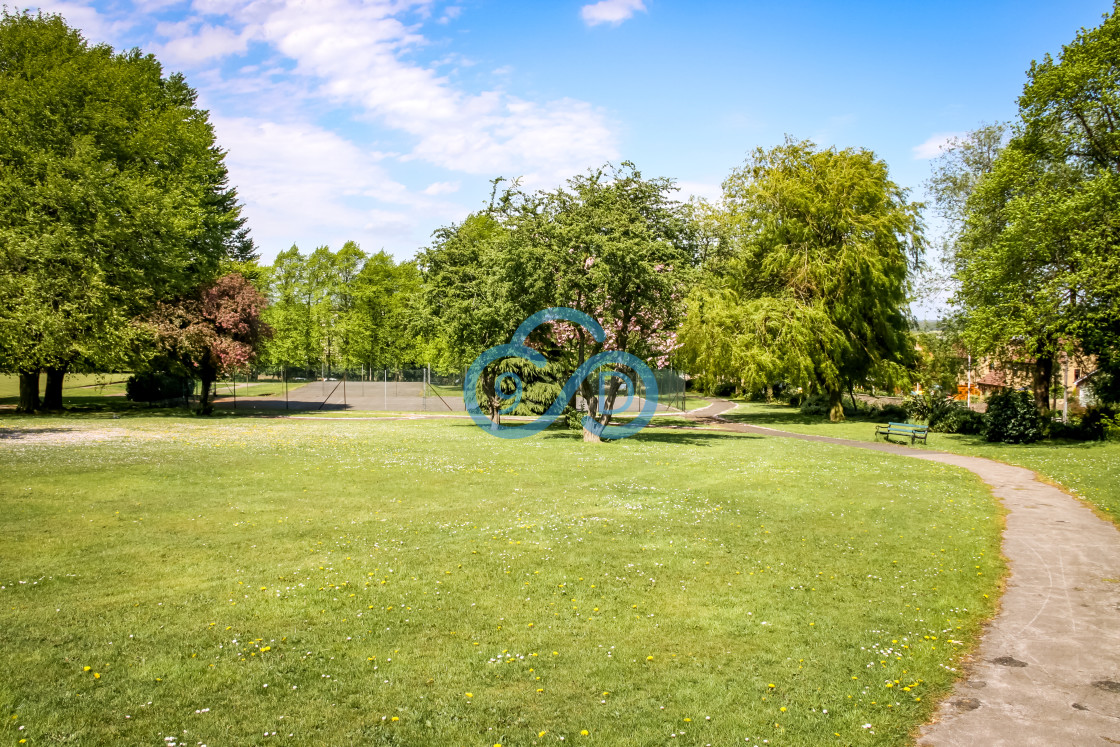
pixel 1047 671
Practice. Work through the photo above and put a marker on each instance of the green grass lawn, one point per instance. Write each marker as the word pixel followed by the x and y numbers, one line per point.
pixel 1089 469
pixel 392 583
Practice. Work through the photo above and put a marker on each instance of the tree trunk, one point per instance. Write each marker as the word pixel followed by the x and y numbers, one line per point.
pixel 206 407
pixel 28 391
pixel 1041 375
pixel 600 411
pixel 493 400
pixel 52 397
pixel 835 406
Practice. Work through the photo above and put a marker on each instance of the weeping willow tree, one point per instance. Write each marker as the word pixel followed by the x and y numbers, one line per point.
pixel 811 283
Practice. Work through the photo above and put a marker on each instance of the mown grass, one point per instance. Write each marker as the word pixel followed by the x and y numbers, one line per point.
pixel 423 583
pixel 1089 469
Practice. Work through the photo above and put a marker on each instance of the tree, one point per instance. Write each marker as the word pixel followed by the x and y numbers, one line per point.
pixel 620 249
pixel 378 324
pixel 286 314
pixel 113 197
pixel 813 286
pixel 216 332
pixel 481 280
pixel 1036 258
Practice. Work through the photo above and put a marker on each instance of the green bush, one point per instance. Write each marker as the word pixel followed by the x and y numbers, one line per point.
pixel 573 418
pixel 797 399
pixel 1094 425
pixel 959 419
pixel 817 404
pixel 928 409
pixel 157 386
pixel 1012 418
pixel 889 414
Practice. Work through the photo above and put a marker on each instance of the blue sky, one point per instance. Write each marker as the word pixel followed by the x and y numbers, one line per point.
pixel 379 121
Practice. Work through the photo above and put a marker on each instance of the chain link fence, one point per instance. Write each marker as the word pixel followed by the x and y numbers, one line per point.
pixel 417 389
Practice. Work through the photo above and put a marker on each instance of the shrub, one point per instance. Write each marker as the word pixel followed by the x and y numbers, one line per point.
pixel 959 419
pixel 817 404
pixel 928 409
pixel 889 414
pixel 797 399
pixel 1093 425
pixel 157 386
pixel 573 419
pixel 1012 418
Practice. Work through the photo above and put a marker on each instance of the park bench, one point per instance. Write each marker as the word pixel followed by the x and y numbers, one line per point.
pixel 914 432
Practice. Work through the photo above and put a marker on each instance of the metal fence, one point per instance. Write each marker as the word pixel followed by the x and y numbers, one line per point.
pixel 401 390
pixel 386 390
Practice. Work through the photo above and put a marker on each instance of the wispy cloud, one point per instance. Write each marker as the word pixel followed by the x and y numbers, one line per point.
pixel 319 104
pixel 361 54
pixel 932 147
pixel 613 12
pixel 299 179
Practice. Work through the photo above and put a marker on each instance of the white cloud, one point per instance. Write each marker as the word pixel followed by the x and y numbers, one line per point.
pixel 208 42
pixel 613 12
pixel 932 147
pixel 302 183
pixel 359 53
pixel 442 188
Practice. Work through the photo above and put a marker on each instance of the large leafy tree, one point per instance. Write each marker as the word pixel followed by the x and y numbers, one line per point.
pixel 812 284
pixel 378 326
pixel 287 315
pixel 619 248
pixel 1037 258
pixel 113 197
pixel 481 280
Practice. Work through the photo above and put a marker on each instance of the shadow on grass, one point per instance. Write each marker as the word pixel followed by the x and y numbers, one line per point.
pixel 119 407
pixel 18 434
pixel 777 415
pixel 682 436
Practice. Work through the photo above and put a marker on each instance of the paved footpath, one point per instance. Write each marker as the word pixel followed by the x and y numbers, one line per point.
pixel 1047 671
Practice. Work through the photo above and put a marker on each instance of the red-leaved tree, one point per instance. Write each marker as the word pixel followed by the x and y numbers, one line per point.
pixel 215 333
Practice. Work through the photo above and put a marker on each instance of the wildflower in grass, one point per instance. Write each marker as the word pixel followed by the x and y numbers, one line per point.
pixel 584 732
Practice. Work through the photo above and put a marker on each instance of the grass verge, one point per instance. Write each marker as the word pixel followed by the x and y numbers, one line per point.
pixel 392 583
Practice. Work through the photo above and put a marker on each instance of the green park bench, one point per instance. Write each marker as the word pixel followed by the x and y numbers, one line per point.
pixel 914 432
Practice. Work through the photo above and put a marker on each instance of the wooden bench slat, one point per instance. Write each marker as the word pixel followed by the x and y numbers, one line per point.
pixel 912 430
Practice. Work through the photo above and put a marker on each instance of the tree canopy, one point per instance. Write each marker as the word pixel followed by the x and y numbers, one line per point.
pixel 1036 255
pixel 811 287
pixel 113 197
